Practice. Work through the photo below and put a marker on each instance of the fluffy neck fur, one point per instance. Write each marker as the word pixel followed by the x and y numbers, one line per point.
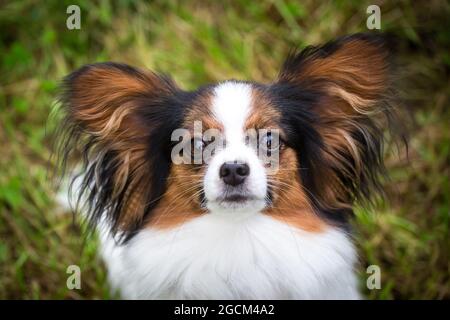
pixel 216 256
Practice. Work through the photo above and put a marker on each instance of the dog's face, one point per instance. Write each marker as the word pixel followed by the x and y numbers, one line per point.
pixel 240 143
pixel 301 149
pixel 231 175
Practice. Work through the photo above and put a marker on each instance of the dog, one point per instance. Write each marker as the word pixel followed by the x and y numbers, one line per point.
pixel 232 224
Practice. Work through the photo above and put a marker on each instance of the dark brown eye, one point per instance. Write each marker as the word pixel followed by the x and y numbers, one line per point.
pixel 198 144
pixel 270 142
pixel 267 140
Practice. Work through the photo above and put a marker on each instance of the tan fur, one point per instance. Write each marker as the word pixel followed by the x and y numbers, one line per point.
pixel 290 203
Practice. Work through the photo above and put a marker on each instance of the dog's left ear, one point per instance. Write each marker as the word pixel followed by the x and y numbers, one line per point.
pixel 119 119
pixel 350 79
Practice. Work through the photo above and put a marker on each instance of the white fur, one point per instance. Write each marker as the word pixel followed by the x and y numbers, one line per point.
pixel 216 256
pixel 231 106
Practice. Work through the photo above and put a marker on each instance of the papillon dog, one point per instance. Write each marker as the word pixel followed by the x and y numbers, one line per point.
pixel 231 224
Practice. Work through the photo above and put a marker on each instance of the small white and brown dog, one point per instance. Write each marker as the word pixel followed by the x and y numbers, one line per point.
pixel 232 227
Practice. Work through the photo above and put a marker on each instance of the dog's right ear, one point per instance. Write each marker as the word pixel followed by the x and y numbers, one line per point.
pixel 116 117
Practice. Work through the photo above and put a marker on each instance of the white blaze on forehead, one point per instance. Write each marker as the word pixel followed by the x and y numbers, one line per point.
pixel 231 106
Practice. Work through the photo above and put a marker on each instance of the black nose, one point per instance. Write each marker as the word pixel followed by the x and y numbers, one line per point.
pixel 233 173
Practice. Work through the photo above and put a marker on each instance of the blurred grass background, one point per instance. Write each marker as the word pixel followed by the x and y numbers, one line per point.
pixel 199 42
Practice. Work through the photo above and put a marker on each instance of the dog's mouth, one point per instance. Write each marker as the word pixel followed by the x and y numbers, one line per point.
pixel 235 195
pixel 236 198
pixel 229 198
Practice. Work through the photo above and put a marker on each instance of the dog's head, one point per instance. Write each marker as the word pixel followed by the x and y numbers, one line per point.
pixel 302 148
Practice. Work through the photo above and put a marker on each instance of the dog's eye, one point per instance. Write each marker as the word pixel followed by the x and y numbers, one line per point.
pixel 270 142
pixel 198 144
pixel 267 140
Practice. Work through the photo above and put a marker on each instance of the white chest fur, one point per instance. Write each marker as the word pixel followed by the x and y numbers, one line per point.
pixel 218 257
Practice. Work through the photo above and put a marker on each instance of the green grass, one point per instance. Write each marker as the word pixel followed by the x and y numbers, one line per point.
pixel 200 42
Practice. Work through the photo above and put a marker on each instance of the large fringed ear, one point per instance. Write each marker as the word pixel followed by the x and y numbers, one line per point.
pixel 115 117
pixel 351 82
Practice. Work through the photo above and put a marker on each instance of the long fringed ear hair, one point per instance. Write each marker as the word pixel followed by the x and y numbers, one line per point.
pixel 349 83
pixel 119 119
